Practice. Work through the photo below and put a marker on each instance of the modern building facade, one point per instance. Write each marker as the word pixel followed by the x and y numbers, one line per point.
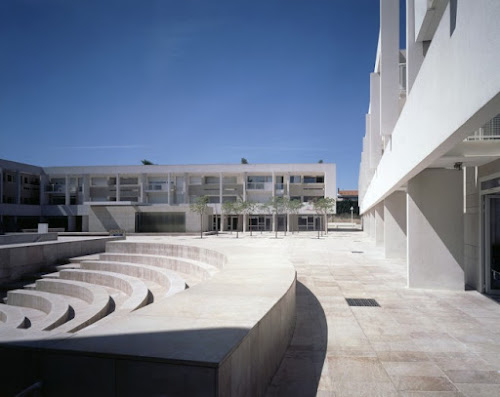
pixel 430 167
pixel 156 198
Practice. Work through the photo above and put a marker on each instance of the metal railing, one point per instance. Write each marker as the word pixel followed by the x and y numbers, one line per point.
pixel 488 132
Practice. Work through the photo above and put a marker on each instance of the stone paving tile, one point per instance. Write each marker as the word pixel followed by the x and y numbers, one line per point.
pixel 419 343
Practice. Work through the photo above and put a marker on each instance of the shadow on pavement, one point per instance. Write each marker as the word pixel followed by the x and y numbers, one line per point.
pixel 300 370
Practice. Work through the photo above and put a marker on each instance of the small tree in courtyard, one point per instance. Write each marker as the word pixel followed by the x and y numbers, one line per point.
pixel 228 209
pixel 200 206
pixel 324 206
pixel 294 206
pixel 248 208
pixel 276 204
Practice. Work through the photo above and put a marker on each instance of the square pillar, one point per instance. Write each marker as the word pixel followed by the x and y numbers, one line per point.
pixel 435 229
pixel 379 224
pixel 395 225
pixel 372 223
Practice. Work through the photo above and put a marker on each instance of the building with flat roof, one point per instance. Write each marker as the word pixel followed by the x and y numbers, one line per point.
pixel 429 179
pixel 156 198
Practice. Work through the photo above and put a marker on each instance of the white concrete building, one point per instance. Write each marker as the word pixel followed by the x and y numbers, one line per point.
pixel 430 167
pixel 156 198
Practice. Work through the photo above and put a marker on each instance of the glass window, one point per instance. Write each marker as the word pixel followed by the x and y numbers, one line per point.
pixel 195 180
pixel 230 179
pixel 294 178
pixel 211 179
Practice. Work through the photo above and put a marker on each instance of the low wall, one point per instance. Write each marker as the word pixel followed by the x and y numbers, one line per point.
pixel 20 259
pixel 20 238
pixel 223 337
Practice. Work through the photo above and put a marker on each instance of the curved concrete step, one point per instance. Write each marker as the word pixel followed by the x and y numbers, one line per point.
pixel 136 290
pixel 57 309
pixel 194 271
pixel 170 280
pixel 96 296
pixel 12 316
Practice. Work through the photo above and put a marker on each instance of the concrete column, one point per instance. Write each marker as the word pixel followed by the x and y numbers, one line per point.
pixel 372 223
pixel 245 222
pixel 372 122
pixel 379 224
pixel 414 49
pixel 71 223
pixel 186 193
pixel 44 180
pixel 18 188
pixel 221 188
pixel 395 225
pixel 244 186
pixel 142 182
pixel 435 230
pixel 287 176
pixel 66 191
pixel 168 189
pixel 1 186
pixel 118 187
pixel 273 179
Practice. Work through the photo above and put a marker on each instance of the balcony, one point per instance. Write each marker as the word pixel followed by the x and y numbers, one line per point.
pixel 62 189
pixel 157 187
pixel 307 189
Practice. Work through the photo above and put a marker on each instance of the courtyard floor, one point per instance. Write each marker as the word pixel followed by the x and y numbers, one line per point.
pixel 418 343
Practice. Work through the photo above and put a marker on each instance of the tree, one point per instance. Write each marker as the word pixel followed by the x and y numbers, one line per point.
pixel 286 209
pixel 227 209
pixel 248 207
pixel 320 162
pixel 147 162
pixel 294 206
pixel 265 208
pixel 324 206
pixel 200 206
pixel 276 205
pixel 244 160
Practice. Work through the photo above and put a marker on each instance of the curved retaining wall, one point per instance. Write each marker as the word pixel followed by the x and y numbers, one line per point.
pixel 223 337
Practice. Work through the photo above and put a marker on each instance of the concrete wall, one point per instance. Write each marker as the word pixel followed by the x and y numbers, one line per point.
pixel 435 230
pixel 18 260
pixel 106 218
pixel 379 224
pixel 20 238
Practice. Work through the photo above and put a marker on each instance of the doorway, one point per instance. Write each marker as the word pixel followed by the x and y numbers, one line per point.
pixel 492 244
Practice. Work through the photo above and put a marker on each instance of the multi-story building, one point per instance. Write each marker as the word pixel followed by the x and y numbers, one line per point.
pixel 430 168
pixel 156 198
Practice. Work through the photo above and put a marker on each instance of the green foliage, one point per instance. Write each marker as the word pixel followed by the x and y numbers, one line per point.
pixel 344 207
pixel 147 162
pixel 200 205
pixel 244 160
pixel 228 207
pixel 320 162
pixel 324 205
pixel 294 206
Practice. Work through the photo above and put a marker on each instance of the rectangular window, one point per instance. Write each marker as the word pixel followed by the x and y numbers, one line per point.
pixel 230 179
pixel 294 178
pixel 211 179
pixel 195 180
pixel 314 179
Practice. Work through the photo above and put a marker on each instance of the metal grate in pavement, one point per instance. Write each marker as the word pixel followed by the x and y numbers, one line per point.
pixel 356 252
pixel 362 302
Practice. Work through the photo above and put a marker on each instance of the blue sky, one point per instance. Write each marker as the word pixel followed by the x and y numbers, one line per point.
pixel 97 82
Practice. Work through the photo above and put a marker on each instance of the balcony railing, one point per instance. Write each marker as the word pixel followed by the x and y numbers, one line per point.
pixel 488 132
pixel 157 186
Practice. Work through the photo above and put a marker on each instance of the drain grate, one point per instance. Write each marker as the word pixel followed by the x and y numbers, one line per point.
pixel 362 302
pixel 356 252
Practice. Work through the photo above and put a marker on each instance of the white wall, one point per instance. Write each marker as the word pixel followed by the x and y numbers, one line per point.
pixel 395 225
pixel 435 230
pixel 456 91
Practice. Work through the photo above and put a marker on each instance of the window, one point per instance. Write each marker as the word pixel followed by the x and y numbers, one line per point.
pixel 294 178
pixel 9 178
pixel 195 180
pixel 259 178
pixel 211 179
pixel 314 179
pixel 213 199
pixel 229 199
pixel 230 179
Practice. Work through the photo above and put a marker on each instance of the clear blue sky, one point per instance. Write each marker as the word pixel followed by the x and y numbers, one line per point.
pixel 97 82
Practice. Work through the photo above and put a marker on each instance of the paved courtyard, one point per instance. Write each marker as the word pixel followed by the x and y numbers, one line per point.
pixel 418 343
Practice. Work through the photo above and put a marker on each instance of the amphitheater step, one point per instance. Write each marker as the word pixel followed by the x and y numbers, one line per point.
pixel 67 266
pixel 171 282
pixel 57 310
pixel 191 270
pixel 96 297
pixel 135 289
pixel 12 316
pixel 78 259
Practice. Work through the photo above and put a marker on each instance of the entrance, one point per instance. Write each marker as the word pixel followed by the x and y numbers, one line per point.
pixel 492 244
